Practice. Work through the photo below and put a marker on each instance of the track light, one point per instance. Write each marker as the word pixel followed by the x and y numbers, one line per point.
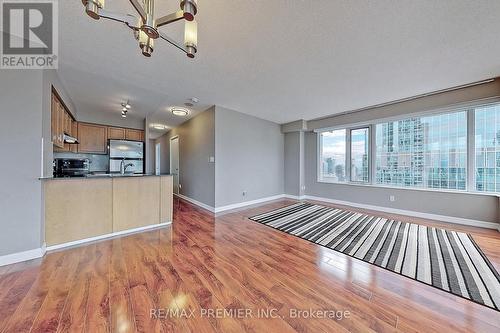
pixel 125 109
pixel 190 8
pixel 92 7
pixel 191 38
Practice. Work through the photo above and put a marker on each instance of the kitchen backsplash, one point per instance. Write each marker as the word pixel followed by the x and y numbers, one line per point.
pixel 97 162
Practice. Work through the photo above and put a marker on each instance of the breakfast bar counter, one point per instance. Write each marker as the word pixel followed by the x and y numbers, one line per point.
pixel 83 209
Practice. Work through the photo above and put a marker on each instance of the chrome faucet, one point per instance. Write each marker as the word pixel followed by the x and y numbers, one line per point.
pixel 123 166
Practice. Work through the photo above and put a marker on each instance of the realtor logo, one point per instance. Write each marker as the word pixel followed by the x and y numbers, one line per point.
pixel 29 34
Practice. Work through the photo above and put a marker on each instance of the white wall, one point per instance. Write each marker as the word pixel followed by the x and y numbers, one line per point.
pixel 21 150
pixel 249 156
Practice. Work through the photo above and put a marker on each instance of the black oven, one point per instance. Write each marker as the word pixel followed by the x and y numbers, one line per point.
pixel 71 167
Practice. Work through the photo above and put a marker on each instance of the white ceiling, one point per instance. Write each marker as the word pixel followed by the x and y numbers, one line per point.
pixel 282 60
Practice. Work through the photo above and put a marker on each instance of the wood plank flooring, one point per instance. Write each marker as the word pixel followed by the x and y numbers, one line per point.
pixel 228 274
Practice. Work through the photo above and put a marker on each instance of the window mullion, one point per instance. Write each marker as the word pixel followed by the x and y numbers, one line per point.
pixel 372 155
pixel 471 150
pixel 348 160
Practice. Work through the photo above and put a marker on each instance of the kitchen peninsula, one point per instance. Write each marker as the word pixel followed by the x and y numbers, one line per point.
pixel 86 209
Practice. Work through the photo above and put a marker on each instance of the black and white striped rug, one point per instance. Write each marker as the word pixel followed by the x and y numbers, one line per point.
pixel 445 259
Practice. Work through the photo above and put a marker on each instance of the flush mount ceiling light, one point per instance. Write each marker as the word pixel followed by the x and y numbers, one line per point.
pixel 160 127
pixel 146 26
pixel 177 111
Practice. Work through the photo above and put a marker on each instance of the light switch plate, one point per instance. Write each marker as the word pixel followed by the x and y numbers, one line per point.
pixel 211 159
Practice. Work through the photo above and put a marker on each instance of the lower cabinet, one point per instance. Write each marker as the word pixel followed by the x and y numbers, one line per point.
pixel 76 209
pixel 136 202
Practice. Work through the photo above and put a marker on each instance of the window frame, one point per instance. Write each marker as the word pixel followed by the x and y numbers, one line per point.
pixel 468 107
pixel 369 154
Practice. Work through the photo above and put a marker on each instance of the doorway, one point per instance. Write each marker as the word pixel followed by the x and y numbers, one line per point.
pixel 174 162
pixel 158 159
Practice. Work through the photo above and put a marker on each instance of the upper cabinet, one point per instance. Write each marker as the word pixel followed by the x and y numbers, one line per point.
pixel 92 138
pixel 134 135
pixel 61 122
pixel 116 133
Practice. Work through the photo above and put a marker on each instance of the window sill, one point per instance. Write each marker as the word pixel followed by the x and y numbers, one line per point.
pixel 489 194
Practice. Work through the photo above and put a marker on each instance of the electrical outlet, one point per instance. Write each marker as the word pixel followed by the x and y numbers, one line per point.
pixel 303 187
pixel 180 186
pixel 392 198
pixel 211 159
pixel 244 193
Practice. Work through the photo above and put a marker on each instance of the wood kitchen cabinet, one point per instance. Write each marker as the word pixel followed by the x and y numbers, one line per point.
pixel 92 138
pixel 134 135
pixel 116 133
pixel 57 122
pixel 61 122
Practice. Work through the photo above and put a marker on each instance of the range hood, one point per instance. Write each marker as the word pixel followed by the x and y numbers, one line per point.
pixel 69 139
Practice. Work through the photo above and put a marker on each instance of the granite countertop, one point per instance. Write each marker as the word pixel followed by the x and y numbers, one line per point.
pixel 106 175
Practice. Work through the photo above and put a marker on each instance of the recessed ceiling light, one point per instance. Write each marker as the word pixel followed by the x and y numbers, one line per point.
pixel 124 110
pixel 181 112
pixel 124 115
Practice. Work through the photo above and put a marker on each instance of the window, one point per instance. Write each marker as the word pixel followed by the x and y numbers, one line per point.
pixel 423 152
pixel 487 148
pixel 359 154
pixel 434 151
pixel 333 156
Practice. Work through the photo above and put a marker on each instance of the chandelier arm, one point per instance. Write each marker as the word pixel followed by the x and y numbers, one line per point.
pixel 170 18
pixel 130 20
pixel 138 7
pixel 173 42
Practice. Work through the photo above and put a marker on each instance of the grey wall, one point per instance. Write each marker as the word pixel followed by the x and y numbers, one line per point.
pixel 20 141
pixel 481 207
pixel 463 205
pixel 249 156
pixel 292 169
pixel 196 145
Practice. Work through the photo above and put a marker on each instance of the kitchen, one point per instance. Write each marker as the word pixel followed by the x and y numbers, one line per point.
pixel 99 171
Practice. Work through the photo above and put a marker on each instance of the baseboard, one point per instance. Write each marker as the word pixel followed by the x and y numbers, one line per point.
pixel 13 258
pixel 294 197
pixel 248 203
pixel 442 218
pixel 196 202
pixel 111 235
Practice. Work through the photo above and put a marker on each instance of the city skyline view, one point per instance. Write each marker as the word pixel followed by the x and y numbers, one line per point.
pixel 421 152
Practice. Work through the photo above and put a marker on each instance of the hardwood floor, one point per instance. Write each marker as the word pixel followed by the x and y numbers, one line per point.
pixel 202 264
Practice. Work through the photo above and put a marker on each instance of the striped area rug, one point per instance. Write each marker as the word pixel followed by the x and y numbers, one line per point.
pixel 445 259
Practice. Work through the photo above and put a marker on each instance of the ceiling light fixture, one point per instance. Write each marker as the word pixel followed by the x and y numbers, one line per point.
pixel 160 127
pixel 145 26
pixel 181 112
pixel 125 108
